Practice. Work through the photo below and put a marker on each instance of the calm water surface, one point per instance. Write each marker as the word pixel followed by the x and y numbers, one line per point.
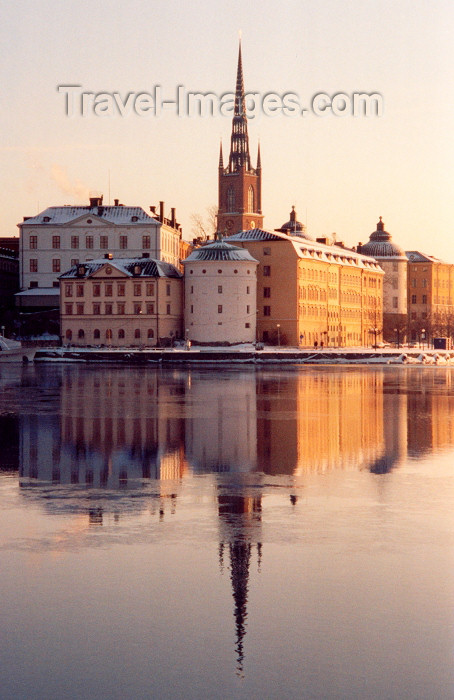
pixel 226 533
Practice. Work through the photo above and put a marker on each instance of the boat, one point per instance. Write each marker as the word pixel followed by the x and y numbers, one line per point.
pixel 13 351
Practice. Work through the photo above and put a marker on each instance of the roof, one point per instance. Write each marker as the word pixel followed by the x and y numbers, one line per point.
pixel 381 244
pixel 219 251
pixel 39 292
pixel 129 266
pixel 416 256
pixel 311 249
pixel 119 215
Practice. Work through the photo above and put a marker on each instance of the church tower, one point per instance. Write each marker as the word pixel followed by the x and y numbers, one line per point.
pixel 240 185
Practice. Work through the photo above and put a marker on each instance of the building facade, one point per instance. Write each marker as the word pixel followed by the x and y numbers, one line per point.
pixel 220 294
pixel 310 293
pixel 239 184
pixel 430 297
pixel 61 237
pixel 121 303
pixel 393 260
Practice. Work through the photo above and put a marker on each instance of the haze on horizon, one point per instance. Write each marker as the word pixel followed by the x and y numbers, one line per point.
pixel 341 173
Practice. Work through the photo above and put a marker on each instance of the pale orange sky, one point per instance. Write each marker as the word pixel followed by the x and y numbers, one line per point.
pixel 341 173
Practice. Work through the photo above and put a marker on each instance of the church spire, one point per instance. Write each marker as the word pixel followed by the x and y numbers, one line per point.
pixel 259 160
pixel 239 142
pixel 221 159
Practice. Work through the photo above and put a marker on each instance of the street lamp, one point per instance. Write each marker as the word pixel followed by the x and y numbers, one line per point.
pixel 278 334
pixel 396 330
pixel 423 337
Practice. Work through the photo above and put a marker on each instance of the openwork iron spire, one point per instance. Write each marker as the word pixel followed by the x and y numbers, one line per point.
pixel 239 143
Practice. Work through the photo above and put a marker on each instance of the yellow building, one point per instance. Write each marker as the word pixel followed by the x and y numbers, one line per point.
pixel 121 303
pixel 430 297
pixel 309 292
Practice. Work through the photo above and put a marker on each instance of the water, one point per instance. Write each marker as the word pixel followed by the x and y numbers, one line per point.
pixel 226 533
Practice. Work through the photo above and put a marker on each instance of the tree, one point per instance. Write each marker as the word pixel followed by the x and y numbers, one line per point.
pixel 204 226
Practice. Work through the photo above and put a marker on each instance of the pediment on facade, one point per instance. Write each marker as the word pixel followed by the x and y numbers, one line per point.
pixel 109 270
pixel 83 222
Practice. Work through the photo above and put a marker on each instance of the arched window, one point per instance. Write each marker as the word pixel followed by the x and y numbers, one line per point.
pixel 230 199
pixel 137 333
pixel 69 334
pixel 109 334
pixel 96 334
pixel 121 333
pixel 250 199
pixel 150 333
pixel 81 333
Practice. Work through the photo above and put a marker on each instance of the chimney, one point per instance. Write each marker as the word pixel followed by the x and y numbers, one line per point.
pixel 108 256
pixel 95 201
pixel 359 247
pixel 172 217
pixel 161 212
pixel 153 210
pixel 116 202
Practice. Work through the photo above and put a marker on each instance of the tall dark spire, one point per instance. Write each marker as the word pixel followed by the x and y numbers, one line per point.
pixel 239 142
pixel 221 159
pixel 259 160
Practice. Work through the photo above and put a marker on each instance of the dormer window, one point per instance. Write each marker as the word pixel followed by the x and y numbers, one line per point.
pixel 137 270
pixel 134 218
pixel 46 219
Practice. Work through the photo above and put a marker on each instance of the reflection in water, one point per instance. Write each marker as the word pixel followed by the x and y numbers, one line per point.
pixel 121 440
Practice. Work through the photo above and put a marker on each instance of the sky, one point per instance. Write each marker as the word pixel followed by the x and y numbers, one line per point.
pixel 340 172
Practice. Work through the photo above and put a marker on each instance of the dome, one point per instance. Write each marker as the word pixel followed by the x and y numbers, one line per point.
pixel 220 251
pixel 294 227
pixel 381 245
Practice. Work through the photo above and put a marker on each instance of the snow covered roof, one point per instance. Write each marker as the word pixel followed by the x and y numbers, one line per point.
pixel 133 267
pixel 219 251
pixel 40 292
pixel 416 256
pixel 119 215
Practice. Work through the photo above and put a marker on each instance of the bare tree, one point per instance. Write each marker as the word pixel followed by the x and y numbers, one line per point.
pixel 204 226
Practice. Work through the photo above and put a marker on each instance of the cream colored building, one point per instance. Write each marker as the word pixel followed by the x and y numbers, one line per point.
pixel 61 237
pixel 220 294
pixel 393 260
pixel 309 292
pixel 121 303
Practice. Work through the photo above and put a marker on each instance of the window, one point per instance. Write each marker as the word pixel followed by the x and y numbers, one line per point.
pixel 424 314
pixel 146 242
pixel 79 290
pixel 413 298
pixel 248 309
pixel 137 308
pixel 74 242
pixel 68 290
pixel 33 265
pixel 219 288
pixel 394 284
pixel 192 309
pixel 150 289
pixel 266 271
pixel 74 262
pixel 394 302
pixel 230 199
pixel 80 309
pixel 247 290
pixel 121 307
pixel 121 289
pixel 55 264
pixel 33 285
pixel 219 308
pixel 108 309
pixel 267 250
pixel 68 309
pixel 150 308
pixel 96 309
pixel 137 289
pixel 267 310
pixel 69 334
pixel 96 334
pixel 192 289
pixel 424 298
pixel 267 292
pixel 395 267
pixel 96 290
pixel 137 333
pixel 55 284
pixel 123 242
pixel 414 282
pixel 168 310
pixel 413 315
pixel 33 242
pixel 121 333
pixel 424 283
pixel 250 199
pixel 150 333
pixel 247 325
pixel 168 289
pixel 104 242
pixel 89 242
pixel 81 334
pixel 108 289
pixel 109 334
